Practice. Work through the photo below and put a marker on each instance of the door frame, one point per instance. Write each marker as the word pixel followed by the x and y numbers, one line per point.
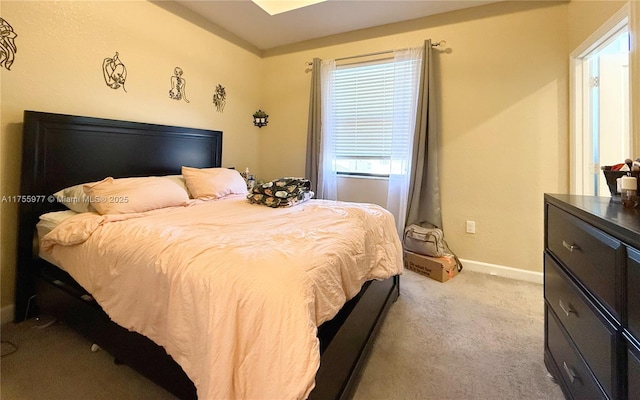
pixel 578 71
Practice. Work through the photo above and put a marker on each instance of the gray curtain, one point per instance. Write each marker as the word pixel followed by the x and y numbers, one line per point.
pixel 314 142
pixel 424 188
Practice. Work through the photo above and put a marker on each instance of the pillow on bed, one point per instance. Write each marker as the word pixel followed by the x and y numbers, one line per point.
pixel 213 183
pixel 179 180
pixel 130 195
pixel 50 220
pixel 55 217
pixel 74 198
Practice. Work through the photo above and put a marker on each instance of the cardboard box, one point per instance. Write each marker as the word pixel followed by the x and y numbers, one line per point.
pixel 439 268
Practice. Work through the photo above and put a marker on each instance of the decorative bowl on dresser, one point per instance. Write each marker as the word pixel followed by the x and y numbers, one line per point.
pixel 592 296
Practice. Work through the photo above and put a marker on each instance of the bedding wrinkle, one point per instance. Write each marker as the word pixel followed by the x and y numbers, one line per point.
pixel 233 292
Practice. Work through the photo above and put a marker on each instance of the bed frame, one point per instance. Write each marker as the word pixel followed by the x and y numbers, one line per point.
pixel 64 150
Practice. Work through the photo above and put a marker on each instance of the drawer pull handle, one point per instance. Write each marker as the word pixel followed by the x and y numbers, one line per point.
pixel 572 375
pixel 570 247
pixel 566 308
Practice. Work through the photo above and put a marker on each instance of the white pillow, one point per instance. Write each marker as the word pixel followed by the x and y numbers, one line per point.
pixel 50 220
pixel 131 195
pixel 213 183
pixel 56 217
pixel 178 179
pixel 74 198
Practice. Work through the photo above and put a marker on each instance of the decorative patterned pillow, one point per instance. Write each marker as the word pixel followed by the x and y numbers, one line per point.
pixel 282 192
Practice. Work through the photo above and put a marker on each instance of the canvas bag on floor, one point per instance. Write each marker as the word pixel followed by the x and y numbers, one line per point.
pixel 428 241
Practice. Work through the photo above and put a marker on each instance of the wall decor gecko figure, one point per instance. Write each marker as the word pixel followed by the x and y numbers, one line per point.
pixel 178 86
pixel 114 71
pixel 8 47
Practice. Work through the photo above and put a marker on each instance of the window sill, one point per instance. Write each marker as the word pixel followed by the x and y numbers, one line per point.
pixel 358 176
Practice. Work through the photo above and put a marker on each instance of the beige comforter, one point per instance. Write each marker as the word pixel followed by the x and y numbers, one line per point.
pixel 233 291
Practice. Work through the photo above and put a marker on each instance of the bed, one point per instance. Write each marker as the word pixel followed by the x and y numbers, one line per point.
pixel 63 150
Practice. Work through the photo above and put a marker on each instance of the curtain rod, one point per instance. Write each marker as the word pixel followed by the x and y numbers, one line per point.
pixel 434 44
pixel 365 55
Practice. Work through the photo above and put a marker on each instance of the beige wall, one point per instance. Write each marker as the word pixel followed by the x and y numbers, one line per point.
pixel 503 80
pixel 586 16
pixel 57 69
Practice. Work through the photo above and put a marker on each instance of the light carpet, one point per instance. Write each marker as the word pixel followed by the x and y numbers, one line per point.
pixel 477 337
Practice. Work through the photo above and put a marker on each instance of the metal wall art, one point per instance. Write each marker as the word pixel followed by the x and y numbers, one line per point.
pixel 260 118
pixel 178 86
pixel 220 98
pixel 8 47
pixel 114 71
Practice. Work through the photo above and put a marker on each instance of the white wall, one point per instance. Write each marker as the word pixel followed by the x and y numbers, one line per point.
pixel 363 190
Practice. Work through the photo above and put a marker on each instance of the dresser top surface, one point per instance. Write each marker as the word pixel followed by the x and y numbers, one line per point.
pixel 611 217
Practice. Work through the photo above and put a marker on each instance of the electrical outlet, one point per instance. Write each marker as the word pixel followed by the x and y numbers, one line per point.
pixel 471 226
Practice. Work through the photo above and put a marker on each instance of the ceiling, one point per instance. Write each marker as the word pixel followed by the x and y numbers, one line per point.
pixel 251 23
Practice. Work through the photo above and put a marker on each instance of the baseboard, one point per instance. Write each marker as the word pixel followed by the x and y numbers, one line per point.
pixel 6 314
pixel 505 272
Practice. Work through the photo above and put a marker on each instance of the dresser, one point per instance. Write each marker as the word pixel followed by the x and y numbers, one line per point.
pixel 592 296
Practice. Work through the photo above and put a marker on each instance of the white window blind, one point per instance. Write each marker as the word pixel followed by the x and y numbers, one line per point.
pixel 371 114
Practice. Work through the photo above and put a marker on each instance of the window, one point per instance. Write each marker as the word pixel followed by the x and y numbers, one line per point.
pixel 372 111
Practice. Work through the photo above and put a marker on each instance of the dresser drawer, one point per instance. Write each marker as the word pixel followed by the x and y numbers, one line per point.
pixel 591 255
pixel 573 371
pixel 633 291
pixel 633 369
pixel 594 337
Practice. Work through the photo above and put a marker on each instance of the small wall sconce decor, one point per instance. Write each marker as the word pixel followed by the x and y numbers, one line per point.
pixel 260 118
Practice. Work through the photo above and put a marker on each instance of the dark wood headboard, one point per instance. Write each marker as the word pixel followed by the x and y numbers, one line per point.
pixel 60 150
